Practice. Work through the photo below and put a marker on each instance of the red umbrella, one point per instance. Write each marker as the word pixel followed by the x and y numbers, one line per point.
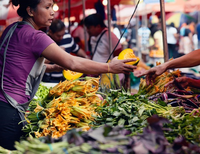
pixel 76 6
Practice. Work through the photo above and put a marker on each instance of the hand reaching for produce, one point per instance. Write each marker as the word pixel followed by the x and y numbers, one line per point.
pixel 182 81
pixel 188 82
pixel 152 73
pixel 119 66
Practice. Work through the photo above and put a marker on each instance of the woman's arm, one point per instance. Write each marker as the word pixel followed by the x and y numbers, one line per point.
pixel 74 63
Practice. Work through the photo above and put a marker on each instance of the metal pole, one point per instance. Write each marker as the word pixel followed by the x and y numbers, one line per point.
pixel 64 8
pixel 127 82
pixel 119 22
pixel 163 23
pixel 137 38
pixel 109 26
pixel 69 14
pixel 85 31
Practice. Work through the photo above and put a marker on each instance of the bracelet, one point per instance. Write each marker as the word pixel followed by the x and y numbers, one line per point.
pixel 108 68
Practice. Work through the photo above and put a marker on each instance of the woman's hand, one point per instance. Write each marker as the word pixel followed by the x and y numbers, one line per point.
pixel 119 66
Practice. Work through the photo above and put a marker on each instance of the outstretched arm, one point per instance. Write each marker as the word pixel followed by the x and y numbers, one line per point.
pixel 78 64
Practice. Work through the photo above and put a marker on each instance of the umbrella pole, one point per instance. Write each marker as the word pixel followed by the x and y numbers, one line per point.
pixel 163 23
pixel 85 34
pixel 109 25
pixel 137 37
pixel 69 14
pixel 64 7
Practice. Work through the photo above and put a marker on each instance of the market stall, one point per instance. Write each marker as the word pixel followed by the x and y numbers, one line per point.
pixel 80 115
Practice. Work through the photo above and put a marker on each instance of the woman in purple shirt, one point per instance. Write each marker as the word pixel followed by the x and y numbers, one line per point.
pixel 23 48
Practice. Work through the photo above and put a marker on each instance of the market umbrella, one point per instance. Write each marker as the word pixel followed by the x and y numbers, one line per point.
pixel 178 18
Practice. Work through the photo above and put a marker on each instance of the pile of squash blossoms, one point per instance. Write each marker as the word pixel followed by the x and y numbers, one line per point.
pixel 68 105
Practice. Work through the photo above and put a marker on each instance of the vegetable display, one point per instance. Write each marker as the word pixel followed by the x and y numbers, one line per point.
pixel 108 140
pixel 78 116
pixel 70 104
pixel 166 88
pixel 132 111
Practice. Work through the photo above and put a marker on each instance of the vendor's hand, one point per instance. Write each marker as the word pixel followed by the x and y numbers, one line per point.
pixel 118 66
pixel 152 73
pixel 183 81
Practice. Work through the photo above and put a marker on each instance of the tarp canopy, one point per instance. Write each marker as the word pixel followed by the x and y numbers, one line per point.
pixel 76 6
pixel 90 3
pixel 192 5
pixel 178 6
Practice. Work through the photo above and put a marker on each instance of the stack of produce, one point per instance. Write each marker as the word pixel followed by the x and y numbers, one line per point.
pixel 109 140
pixel 166 88
pixel 70 104
pixel 158 85
pixel 132 111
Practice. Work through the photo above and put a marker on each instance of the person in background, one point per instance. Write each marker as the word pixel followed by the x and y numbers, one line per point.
pixel 57 31
pixel 22 64
pixel 99 40
pixel 157 36
pixel 116 31
pixel 198 34
pixel 100 9
pixel 186 44
pixel 132 33
pixel 143 38
pixel 172 37
pixel 79 35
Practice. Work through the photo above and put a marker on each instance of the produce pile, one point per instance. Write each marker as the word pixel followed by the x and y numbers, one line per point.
pixel 132 111
pixel 70 104
pixel 162 118
pixel 166 88
pixel 108 140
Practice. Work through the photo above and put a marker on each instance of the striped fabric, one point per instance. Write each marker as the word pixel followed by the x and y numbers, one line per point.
pixel 68 43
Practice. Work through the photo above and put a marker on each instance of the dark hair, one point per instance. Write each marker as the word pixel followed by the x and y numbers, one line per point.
pixel 23 4
pixel 81 23
pixel 57 25
pixel 94 20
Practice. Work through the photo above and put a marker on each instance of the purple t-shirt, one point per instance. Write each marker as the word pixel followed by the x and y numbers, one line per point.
pixel 25 47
